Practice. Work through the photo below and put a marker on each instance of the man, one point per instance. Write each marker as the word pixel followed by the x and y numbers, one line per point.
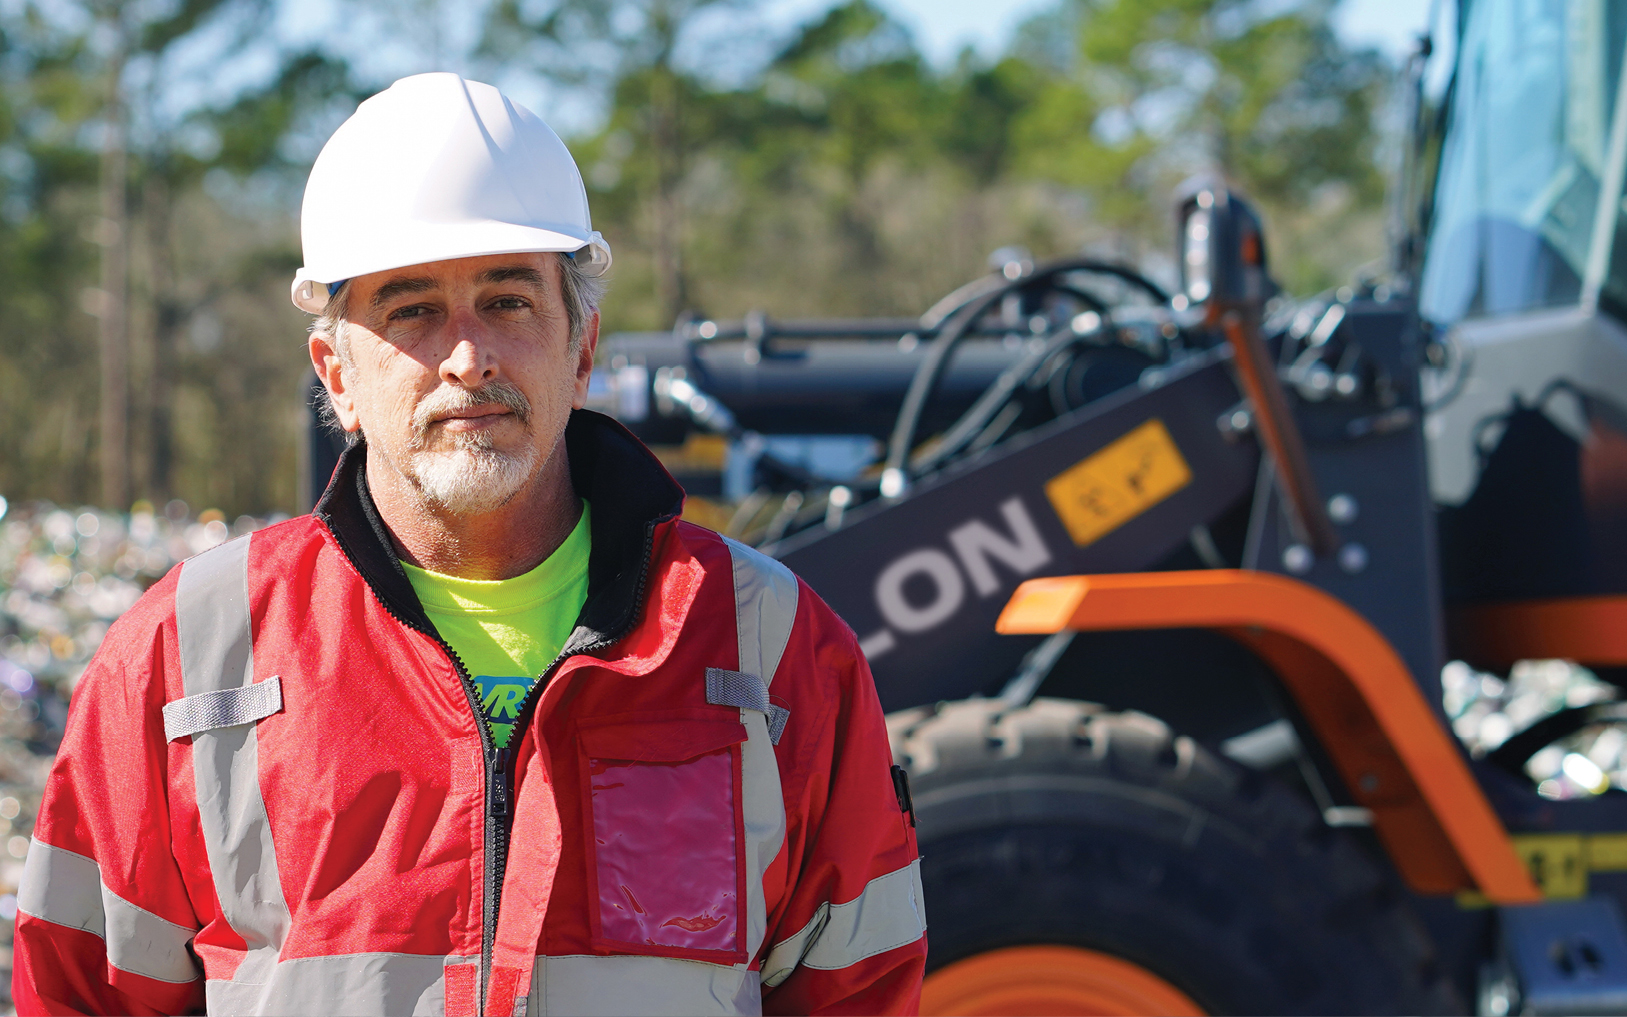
pixel 493 730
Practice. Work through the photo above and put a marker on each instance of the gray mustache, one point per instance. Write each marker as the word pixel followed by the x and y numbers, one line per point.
pixel 450 400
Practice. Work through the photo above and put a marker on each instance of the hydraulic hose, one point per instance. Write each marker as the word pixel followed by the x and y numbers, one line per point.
pixel 976 417
pixel 897 471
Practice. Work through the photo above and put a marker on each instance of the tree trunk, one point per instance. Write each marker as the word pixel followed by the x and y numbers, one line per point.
pixel 167 318
pixel 666 143
pixel 112 332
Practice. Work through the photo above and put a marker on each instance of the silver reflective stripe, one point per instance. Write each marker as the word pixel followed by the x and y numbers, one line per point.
pixel 217 652
pixel 62 887
pixel 356 984
pixel 594 985
pixel 765 607
pixel 749 692
pixel 142 943
pixel 66 888
pixel 887 915
pixel 763 809
pixel 222 708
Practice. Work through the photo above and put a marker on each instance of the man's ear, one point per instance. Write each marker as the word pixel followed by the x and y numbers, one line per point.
pixel 331 370
pixel 584 359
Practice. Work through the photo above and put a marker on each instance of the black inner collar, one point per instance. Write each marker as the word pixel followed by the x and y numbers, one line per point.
pixel 626 487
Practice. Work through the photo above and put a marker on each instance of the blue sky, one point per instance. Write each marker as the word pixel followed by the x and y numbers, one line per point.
pixel 943 27
pixel 732 42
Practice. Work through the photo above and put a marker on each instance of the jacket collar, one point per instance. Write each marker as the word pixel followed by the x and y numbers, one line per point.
pixel 627 488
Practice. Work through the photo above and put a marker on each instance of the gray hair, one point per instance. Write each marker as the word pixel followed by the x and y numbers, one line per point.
pixel 581 294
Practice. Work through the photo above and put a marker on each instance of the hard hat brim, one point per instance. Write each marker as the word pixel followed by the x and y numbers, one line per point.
pixel 452 241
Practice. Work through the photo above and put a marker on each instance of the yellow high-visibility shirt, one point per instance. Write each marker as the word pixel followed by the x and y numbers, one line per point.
pixel 507 631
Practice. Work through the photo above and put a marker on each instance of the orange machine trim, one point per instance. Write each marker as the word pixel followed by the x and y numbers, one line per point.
pixel 1047 978
pixel 1592 630
pixel 1353 690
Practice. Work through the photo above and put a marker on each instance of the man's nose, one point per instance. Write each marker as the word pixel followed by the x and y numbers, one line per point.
pixel 471 362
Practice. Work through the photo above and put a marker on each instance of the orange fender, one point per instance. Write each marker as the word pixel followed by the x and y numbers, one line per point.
pixel 1389 746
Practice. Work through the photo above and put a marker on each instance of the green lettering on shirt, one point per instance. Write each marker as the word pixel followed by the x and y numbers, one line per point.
pixel 500 699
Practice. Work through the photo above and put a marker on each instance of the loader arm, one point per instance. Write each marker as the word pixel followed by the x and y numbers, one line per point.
pixel 1115 486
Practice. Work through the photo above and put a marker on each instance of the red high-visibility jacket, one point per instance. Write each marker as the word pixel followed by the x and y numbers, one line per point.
pixel 275 794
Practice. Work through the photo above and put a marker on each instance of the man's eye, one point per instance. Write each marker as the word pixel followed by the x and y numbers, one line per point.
pixel 511 303
pixel 415 311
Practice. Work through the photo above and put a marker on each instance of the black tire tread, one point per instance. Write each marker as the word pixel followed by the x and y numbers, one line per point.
pixel 992 782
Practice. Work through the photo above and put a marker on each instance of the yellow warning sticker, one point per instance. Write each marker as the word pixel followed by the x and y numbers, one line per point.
pixel 1556 861
pixel 1607 852
pixel 1097 495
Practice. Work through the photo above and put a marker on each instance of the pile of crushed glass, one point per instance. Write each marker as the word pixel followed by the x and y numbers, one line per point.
pixel 1486 710
pixel 65 575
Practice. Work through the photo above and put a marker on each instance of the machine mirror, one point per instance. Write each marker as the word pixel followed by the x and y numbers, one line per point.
pixel 1221 248
pixel 1196 261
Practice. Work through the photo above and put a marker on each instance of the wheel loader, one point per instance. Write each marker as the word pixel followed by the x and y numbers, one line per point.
pixel 1158 580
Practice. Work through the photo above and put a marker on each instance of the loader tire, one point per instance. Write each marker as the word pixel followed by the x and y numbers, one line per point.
pixel 1076 833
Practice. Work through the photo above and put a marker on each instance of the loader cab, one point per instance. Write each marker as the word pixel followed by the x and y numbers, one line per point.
pixel 1521 269
pixel 1524 145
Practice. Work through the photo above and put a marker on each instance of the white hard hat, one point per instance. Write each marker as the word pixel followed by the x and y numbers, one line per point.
pixel 432 168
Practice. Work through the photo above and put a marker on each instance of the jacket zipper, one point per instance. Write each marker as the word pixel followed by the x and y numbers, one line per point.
pixel 499 847
pixel 498 792
pixel 497 796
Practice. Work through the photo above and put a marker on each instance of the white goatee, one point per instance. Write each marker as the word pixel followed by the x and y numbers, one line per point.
pixel 473 477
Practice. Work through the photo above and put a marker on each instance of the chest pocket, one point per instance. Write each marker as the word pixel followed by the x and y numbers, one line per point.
pixel 663 798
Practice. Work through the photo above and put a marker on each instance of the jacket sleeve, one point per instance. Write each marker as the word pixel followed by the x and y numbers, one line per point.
pixel 104 921
pixel 850 934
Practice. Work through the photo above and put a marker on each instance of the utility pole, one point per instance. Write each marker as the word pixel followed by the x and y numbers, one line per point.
pixel 112 234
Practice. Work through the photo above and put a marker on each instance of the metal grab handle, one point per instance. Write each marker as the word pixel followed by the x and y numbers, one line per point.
pixel 1278 432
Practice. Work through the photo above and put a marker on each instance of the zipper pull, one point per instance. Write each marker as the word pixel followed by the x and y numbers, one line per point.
pixel 497 800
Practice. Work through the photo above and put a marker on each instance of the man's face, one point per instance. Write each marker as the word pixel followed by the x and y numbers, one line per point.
pixel 460 373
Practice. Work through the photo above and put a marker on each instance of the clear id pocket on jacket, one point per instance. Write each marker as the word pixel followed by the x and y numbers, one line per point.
pixel 666 825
